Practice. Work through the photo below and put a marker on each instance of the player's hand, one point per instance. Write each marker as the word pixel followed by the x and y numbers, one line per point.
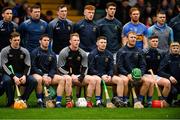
pixel 23 79
pixel 47 80
pixel 16 80
pixel 173 80
pixel 130 77
pixel 106 78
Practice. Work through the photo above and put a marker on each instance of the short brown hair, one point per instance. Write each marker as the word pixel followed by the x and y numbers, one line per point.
pixel 153 37
pixel 6 8
pixel 14 34
pixel 73 34
pixel 101 37
pixel 44 35
pixel 133 9
pixel 61 6
pixel 110 4
pixel 35 7
pixel 131 32
pixel 89 7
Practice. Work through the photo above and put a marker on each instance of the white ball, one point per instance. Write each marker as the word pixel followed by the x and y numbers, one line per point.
pixel 81 102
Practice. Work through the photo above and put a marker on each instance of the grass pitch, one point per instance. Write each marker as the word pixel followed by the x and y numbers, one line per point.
pixel 85 113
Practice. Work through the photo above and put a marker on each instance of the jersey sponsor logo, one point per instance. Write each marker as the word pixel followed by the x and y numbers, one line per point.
pixel 106 59
pixel 3 29
pixel 10 55
pixel 78 58
pixel 21 56
pixel 94 29
pixel 42 27
pixel 69 27
pixel 158 57
pixel 139 37
pixel 50 58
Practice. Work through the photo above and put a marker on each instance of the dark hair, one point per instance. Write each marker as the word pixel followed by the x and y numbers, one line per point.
pixel 35 7
pixel 110 4
pixel 6 8
pixel 61 6
pixel 14 34
pixel 101 37
pixel 153 37
pixel 44 35
pixel 160 12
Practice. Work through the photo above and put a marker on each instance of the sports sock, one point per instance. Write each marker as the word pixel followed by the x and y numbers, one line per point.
pixel 58 99
pixel 68 98
pixel 39 97
pixel 88 98
pixel 141 98
pixel 120 97
pixel 125 98
pixel 149 99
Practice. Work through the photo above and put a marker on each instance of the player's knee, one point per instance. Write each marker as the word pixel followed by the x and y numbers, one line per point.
pixel 32 81
pixel 68 81
pixel 167 84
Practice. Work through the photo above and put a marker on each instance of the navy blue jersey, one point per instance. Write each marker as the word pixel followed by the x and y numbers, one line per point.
pixel 100 63
pixel 129 58
pixel 88 31
pixel 43 62
pixel 31 31
pixel 112 30
pixel 170 66
pixel 6 28
pixel 175 25
pixel 153 57
pixel 60 31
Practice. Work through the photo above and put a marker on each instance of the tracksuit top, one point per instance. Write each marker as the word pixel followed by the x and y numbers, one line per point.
pixel 129 58
pixel 140 29
pixel 72 62
pixel 31 31
pixel 60 31
pixel 18 58
pixel 44 62
pixel 153 57
pixel 6 28
pixel 112 30
pixel 164 33
pixel 88 31
pixel 175 25
pixel 100 63
pixel 170 66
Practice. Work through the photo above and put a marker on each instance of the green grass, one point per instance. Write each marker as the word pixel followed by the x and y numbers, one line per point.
pixel 85 113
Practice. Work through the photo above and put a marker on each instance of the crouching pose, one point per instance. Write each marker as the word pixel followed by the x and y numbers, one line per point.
pixel 72 63
pixel 44 70
pixel 19 58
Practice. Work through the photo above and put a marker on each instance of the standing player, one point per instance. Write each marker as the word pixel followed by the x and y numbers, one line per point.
pixel 100 63
pixel 162 30
pixel 60 30
pixel 32 29
pixel 111 28
pixel 87 29
pixel 136 26
pixel 7 26
pixel 19 58
pixel 72 62
pixel 44 70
